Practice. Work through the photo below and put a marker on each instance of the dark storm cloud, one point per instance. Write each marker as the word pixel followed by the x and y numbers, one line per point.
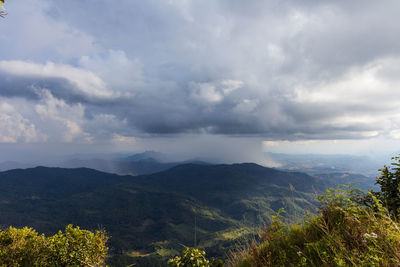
pixel 27 87
pixel 272 69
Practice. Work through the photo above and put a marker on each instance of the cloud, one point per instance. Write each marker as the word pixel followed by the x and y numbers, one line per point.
pixel 15 128
pixel 120 139
pixel 363 98
pixel 230 85
pixel 29 33
pixel 64 120
pixel 81 81
pixel 115 69
pixel 206 92
pixel 292 70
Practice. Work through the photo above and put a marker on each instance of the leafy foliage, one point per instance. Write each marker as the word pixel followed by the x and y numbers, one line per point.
pixel 349 231
pixel 193 257
pixel 389 182
pixel 190 257
pixel 74 247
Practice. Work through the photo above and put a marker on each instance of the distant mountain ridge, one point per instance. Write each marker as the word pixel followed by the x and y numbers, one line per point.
pixel 136 164
pixel 10 165
pixel 55 181
pixel 233 177
pixel 157 156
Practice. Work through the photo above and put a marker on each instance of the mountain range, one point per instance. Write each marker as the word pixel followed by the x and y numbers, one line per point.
pixel 149 217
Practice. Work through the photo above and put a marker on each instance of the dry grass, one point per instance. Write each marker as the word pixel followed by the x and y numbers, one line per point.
pixel 351 229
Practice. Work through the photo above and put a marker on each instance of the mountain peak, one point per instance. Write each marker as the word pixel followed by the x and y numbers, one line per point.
pixel 146 155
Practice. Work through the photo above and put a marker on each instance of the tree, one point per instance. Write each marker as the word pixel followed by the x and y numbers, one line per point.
pixel 389 182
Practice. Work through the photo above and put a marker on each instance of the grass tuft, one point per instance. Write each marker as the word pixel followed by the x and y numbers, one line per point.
pixel 352 228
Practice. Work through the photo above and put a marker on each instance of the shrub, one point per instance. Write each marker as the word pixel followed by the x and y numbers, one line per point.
pixel 193 257
pixel 190 257
pixel 74 247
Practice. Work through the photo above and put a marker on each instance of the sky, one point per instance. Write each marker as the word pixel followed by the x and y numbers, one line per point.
pixel 226 79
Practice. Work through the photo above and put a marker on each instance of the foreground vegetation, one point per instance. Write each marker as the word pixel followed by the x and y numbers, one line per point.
pixel 74 247
pixel 352 228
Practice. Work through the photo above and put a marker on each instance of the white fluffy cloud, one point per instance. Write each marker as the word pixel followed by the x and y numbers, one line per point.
pixel 15 128
pixel 62 120
pixel 206 92
pixel 365 97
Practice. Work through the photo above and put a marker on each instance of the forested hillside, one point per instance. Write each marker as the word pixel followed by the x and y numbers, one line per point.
pixel 149 217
